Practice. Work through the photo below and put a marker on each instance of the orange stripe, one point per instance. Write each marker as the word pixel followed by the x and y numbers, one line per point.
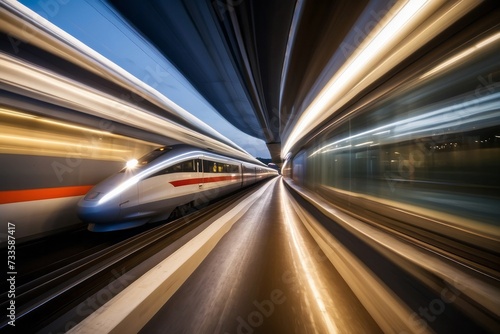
pixel 14 196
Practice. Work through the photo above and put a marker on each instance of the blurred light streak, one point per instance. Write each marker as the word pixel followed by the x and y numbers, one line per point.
pixel 76 96
pixel 308 269
pixel 382 132
pixel 335 149
pixel 351 137
pixel 62 143
pixel 353 69
pixel 16 114
pixel 24 133
pixel 462 55
pixel 485 110
pixel 474 112
pixel 297 14
pixel 12 113
pixel 365 143
pixel 16 20
pixel 21 22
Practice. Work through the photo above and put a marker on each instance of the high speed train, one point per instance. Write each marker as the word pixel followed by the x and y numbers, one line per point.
pixel 168 178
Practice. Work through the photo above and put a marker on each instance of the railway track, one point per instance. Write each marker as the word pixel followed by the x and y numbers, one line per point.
pixel 45 294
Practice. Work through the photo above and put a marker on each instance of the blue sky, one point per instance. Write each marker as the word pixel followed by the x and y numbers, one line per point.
pixel 96 24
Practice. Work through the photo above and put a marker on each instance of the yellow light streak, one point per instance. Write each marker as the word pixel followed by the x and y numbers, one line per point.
pixel 56 142
pixel 41 84
pixel 352 70
pixel 18 114
pixel 462 55
pixel 12 113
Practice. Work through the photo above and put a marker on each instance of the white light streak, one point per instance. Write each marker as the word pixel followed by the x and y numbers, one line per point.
pixel 355 67
pixel 313 281
pixel 484 110
pixel 381 132
pixel 337 148
pixel 365 143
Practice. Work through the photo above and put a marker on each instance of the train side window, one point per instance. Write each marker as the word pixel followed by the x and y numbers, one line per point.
pixel 188 166
pixel 209 166
pixel 184 166
pixel 219 167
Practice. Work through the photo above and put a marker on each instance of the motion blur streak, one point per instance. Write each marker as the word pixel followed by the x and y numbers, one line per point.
pixel 18 75
pixel 404 30
pixel 15 196
pixel 434 130
pixel 23 133
pixel 481 111
pixel 326 307
pixel 470 51
pixel 20 22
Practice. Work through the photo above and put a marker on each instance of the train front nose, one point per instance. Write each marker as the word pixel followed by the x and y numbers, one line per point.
pixel 91 208
pixel 102 207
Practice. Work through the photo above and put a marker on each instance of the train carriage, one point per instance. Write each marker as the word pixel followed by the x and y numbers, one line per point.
pixel 166 179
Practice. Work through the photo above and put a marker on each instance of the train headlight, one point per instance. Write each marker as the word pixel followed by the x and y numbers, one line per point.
pixel 131 163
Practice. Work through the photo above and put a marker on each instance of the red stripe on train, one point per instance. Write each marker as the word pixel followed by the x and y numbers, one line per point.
pixel 14 196
pixel 199 180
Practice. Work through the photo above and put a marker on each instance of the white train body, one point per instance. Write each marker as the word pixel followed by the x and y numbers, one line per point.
pixel 161 181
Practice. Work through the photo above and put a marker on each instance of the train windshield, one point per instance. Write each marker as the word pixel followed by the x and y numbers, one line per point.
pixel 153 155
pixel 149 157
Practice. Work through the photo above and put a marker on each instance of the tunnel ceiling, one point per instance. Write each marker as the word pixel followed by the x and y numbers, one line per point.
pixel 253 60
